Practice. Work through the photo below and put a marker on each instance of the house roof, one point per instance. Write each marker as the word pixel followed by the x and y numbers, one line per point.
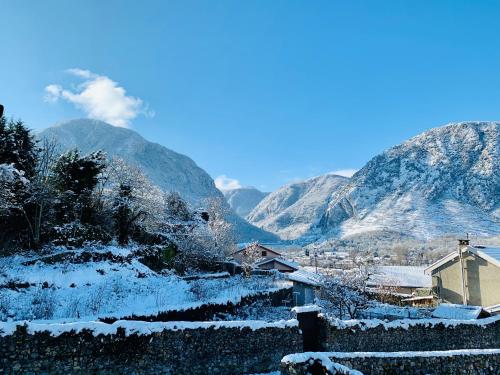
pixel 400 276
pixel 287 263
pixel 495 309
pixel 305 277
pixel 490 254
pixel 461 312
pixel 256 245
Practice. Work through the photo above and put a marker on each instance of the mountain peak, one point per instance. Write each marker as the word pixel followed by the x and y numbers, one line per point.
pixel 443 181
pixel 167 169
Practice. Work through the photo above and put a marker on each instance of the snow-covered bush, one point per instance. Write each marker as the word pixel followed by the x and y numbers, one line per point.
pixel 43 304
pixel 96 299
pixel 5 306
pixel 201 290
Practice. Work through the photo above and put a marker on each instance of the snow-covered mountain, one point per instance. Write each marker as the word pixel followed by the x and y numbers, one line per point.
pixel 443 181
pixel 243 200
pixel 293 209
pixel 169 170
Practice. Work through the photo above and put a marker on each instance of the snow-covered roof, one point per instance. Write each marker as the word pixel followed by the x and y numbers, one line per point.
pixel 402 276
pixel 452 311
pixel 495 309
pixel 489 253
pixel 285 262
pixel 258 245
pixel 305 277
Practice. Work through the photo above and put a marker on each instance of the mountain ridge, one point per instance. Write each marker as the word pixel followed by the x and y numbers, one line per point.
pixel 169 170
pixel 291 210
pixel 443 181
pixel 243 200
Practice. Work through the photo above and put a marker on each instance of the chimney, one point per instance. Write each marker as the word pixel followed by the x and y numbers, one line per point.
pixel 462 246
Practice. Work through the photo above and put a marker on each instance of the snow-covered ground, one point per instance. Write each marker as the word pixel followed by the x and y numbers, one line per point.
pixel 91 290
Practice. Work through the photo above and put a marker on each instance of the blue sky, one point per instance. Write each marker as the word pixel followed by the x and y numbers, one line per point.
pixel 264 92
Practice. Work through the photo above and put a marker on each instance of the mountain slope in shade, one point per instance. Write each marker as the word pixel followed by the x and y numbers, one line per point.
pixel 443 181
pixel 169 170
pixel 293 209
pixel 243 200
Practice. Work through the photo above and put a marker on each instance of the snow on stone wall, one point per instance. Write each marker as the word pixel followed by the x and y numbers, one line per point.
pixel 484 361
pixel 409 335
pixel 147 348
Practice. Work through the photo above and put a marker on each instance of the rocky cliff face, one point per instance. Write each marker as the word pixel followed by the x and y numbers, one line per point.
pixel 443 181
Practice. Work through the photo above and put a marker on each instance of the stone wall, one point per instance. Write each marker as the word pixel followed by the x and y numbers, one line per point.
pixel 208 311
pixel 153 348
pixel 408 335
pixel 480 362
pixel 424 363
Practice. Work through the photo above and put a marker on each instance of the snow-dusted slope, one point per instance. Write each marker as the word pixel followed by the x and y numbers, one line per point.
pixel 293 209
pixel 169 170
pixel 443 181
pixel 243 200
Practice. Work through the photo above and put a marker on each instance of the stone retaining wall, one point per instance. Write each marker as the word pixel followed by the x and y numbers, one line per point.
pixel 480 362
pixel 207 312
pixel 433 363
pixel 211 349
pixel 408 335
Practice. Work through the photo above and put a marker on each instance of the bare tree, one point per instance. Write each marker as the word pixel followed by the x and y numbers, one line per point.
pixel 221 230
pixel 346 291
pixel 42 189
pixel 133 198
pixel 249 257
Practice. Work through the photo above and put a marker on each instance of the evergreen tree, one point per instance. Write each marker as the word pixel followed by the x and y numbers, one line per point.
pixel 18 153
pixel 75 178
pixel 18 146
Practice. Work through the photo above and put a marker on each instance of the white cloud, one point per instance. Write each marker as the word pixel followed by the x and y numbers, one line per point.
pixel 226 183
pixel 345 172
pixel 100 98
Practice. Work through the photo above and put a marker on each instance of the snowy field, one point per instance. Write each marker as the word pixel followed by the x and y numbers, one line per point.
pixel 90 290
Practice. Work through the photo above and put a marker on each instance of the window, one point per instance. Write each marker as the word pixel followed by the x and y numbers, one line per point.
pixel 264 253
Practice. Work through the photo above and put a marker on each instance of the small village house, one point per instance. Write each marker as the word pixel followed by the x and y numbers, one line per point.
pixel 279 264
pixel 400 279
pixel 264 258
pixel 255 251
pixel 305 285
pixel 469 276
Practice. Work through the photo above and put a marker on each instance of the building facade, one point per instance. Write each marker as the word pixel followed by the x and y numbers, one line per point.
pixel 470 276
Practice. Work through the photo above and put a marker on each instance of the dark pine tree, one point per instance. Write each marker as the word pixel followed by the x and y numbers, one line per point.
pixel 75 177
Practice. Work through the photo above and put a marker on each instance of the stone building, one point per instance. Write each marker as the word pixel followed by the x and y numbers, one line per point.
pixel 469 276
